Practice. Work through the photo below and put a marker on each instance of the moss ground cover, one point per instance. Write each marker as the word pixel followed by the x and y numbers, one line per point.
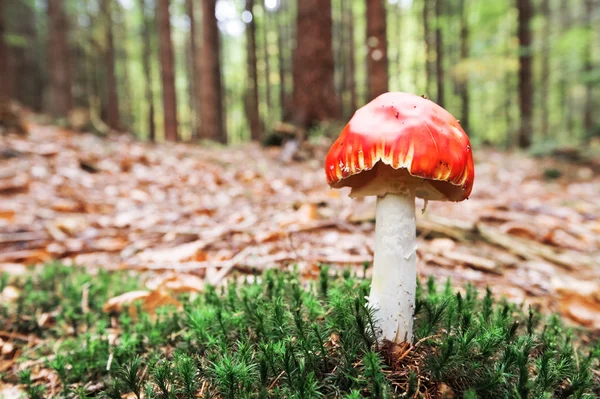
pixel 276 335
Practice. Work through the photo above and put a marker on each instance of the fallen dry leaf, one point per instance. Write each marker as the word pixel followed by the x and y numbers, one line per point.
pixel 581 309
pixel 14 269
pixel 17 184
pixel 585 288
pixel 476 262
pixel 10 391
pixel 177 283
pixel 560 238
pixel 7 348
pixel 9 294
pixel 157 299
pixel 520 229
pixel 186 252
pixel 116 304
pixel 442 245
pixel 108 244
pixel 150 300
pixel 7 215
pixel 44 319
pixel 27 257
pixel 66 205
pixel 5 365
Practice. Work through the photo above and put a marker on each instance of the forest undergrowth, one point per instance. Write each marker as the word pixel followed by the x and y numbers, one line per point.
pixel 76 334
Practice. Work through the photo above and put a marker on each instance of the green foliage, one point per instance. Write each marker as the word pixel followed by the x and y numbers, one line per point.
pixel 277 336
pixel 32 391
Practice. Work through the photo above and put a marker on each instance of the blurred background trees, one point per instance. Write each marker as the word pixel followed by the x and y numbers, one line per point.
pixel 515 72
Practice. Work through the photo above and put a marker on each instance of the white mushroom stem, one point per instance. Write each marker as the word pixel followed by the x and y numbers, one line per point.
pixel 394 267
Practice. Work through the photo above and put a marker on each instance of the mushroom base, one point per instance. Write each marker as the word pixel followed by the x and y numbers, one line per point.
pixel 394 281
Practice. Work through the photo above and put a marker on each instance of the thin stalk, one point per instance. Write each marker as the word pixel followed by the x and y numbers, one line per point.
pixel 394 280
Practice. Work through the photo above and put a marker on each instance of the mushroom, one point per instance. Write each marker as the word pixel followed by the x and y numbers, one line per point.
pixel 398 147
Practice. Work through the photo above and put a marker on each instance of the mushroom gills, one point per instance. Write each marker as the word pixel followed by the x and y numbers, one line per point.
pixel 383 179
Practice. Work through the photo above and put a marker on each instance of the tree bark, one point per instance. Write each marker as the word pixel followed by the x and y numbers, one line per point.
pixel 428 42
pixel 347 52
pixel 525 72
pixel 112 98
pixel 196 67
pixel 564 84
pixel 340 55
pixel 266 53
pixel 545 69
pixel 5 90
pixel 588 67
pixel 122 63
pixel 399 44
pixel 314 97
pixel 464 55
pixel 147 66
pixel 509 90
pixel 61 98
pixel 565 14
pixel 281 59
pixel 88 70
pixel 252 112
pixel 25 70
pixel 167 70
pixel 351 75
pixel 189 72
pixel 212 124
pixel 439 49
pixel 377 59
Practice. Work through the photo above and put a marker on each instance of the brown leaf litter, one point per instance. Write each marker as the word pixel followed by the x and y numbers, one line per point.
pixel 202 211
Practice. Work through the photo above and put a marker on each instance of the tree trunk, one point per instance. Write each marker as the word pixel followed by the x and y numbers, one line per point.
pixel 428 42
pixel 525 72
pixel 196 67
pixel 377 59
pixel 564 84
pixel 265 38
pixel 61 98
pixel 439 49
pixel 147 66
pixel 339 34
pixel 25 69
pixel 565 14
pixel 122 63
pixel 464 55
pixel 347 52
pixel 314 97
pixel 112 98
pixel 252 112
pixel 351 75
pixel 167 70
pixel 588 67
pixel 211 104
pixel 88 67
pixel 5 91
pixel 509 90
pixel 545 70
pixel 399 43
pixel 281 61
pixel 189 73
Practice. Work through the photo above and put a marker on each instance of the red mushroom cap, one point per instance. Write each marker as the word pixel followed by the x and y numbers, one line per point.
pixel 399 139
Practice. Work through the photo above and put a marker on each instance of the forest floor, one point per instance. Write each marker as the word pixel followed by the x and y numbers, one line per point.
pixel 187 215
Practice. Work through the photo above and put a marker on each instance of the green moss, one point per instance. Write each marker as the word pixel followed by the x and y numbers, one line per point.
pixel 278 336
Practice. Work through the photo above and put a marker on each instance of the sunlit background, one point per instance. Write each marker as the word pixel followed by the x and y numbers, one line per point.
pixel 565 67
